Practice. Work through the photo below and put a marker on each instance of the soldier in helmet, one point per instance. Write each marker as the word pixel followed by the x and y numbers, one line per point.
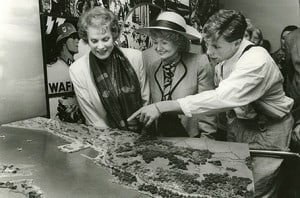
pixel 59 83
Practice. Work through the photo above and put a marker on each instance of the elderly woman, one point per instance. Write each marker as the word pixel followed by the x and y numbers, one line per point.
pixel 176 73
pixel 109 82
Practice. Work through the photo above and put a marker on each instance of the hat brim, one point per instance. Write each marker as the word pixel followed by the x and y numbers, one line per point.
pixel 191 33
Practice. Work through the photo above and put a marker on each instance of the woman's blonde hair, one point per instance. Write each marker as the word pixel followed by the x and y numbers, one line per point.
pixel 98 17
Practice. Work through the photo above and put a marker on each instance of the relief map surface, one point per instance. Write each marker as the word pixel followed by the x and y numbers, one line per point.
pixel 164 167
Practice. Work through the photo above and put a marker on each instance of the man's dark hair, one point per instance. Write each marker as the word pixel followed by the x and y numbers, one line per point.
pixel 288 28
pixel 230 24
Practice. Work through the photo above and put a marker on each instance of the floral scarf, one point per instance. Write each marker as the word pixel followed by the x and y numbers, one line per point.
pixel 118 88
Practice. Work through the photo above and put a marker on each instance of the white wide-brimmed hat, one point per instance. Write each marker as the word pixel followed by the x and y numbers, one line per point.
pixel 173 22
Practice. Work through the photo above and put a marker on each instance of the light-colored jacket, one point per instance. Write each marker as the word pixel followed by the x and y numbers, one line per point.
pixel 86 90
pixel 198 78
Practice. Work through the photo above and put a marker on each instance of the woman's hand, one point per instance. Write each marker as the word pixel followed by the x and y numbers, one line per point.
pixel 146 114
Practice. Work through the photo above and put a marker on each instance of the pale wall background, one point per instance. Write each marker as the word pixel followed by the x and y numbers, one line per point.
pixel 269 15
pixel 22 89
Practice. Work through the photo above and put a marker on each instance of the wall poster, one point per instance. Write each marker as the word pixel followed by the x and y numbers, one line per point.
pixel 60 45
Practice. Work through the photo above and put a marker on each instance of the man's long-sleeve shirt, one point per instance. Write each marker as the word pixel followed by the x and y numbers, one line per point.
pixel 252 77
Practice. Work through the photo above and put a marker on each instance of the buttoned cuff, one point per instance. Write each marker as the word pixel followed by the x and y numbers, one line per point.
pixel 184 107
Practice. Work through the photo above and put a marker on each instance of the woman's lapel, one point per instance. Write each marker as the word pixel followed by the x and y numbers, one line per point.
pixel 178 76
pixel 159 76
pixel 180 72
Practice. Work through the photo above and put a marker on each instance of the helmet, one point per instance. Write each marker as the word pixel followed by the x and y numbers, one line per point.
pixel 65 30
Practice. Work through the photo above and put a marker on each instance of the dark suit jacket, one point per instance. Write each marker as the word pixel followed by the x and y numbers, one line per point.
pixel 292 49
pixel 192 76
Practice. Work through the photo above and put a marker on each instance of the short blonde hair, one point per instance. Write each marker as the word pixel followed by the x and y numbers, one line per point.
pixel 98 17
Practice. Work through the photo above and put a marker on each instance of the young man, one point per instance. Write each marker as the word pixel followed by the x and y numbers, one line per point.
pixel 249 90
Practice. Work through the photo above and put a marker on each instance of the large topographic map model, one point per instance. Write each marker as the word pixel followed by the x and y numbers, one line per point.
pixel 170 167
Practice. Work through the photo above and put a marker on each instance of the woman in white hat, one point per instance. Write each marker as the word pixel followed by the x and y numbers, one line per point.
pixel 177 73
pixel 109 82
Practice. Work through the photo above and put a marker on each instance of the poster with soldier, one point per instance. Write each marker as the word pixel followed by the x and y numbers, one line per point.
pixel 60 44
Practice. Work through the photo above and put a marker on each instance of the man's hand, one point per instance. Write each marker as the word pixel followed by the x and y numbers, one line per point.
pixel 146 114
pixel 151 112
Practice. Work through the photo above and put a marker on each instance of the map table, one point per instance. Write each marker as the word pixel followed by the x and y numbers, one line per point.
pixel 168 167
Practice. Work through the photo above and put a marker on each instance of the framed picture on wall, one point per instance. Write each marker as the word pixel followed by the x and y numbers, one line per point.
pixel 60 44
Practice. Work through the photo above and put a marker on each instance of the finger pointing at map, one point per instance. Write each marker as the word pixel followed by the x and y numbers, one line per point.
pixel 151 112
pixel 146 114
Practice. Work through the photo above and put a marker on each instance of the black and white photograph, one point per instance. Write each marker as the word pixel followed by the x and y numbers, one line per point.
pixel 150 98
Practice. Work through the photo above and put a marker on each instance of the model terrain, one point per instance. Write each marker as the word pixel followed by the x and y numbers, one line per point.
pixel 170 167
